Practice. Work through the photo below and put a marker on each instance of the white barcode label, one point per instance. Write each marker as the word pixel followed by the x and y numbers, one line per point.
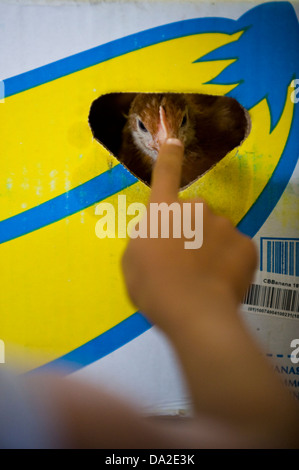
pixel 273 300
pixel 280 256
pixel 275 289
pixel 273 297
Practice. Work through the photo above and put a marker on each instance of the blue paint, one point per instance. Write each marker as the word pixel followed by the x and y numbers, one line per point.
pixel 116 48
pixel 271 33
pixel 267 200
pixel 75 200
pixel 100 346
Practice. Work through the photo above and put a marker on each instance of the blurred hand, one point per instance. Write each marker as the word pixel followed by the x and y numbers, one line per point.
pixel 162 275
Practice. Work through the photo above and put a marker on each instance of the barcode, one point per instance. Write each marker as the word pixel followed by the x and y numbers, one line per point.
pixel 272 297
pixel 280 256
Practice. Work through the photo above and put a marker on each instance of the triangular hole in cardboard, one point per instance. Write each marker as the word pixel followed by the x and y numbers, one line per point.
pixel 218 123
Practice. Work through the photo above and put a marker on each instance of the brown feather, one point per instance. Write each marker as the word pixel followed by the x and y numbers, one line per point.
pixel 215 125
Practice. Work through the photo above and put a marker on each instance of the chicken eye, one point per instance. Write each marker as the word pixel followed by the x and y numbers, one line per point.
pixel 142 126
pixel 184 120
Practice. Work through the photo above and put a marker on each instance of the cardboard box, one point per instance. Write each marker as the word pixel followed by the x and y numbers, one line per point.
pixel 63 301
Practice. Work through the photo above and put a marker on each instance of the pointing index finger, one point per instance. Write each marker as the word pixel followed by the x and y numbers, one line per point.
pixel 167 171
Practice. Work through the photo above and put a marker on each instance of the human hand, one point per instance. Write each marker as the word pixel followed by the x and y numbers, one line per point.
pixel 163 276
pixel 193 295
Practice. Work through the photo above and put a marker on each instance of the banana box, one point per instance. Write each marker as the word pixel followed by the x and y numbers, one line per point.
pixel 63 300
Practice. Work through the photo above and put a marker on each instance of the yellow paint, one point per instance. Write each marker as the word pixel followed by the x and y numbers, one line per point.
pixel 61 286
pixel 64 285
pixel 46 136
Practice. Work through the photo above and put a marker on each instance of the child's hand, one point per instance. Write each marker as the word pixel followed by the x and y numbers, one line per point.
pixel 163 277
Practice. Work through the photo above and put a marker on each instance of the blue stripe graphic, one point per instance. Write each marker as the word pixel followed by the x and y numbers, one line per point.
pixel 99 347
pixel 286 261
pixel 95 190
pixel 269 258
pixel 291 272
pixel 269 197
pixel 116 48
